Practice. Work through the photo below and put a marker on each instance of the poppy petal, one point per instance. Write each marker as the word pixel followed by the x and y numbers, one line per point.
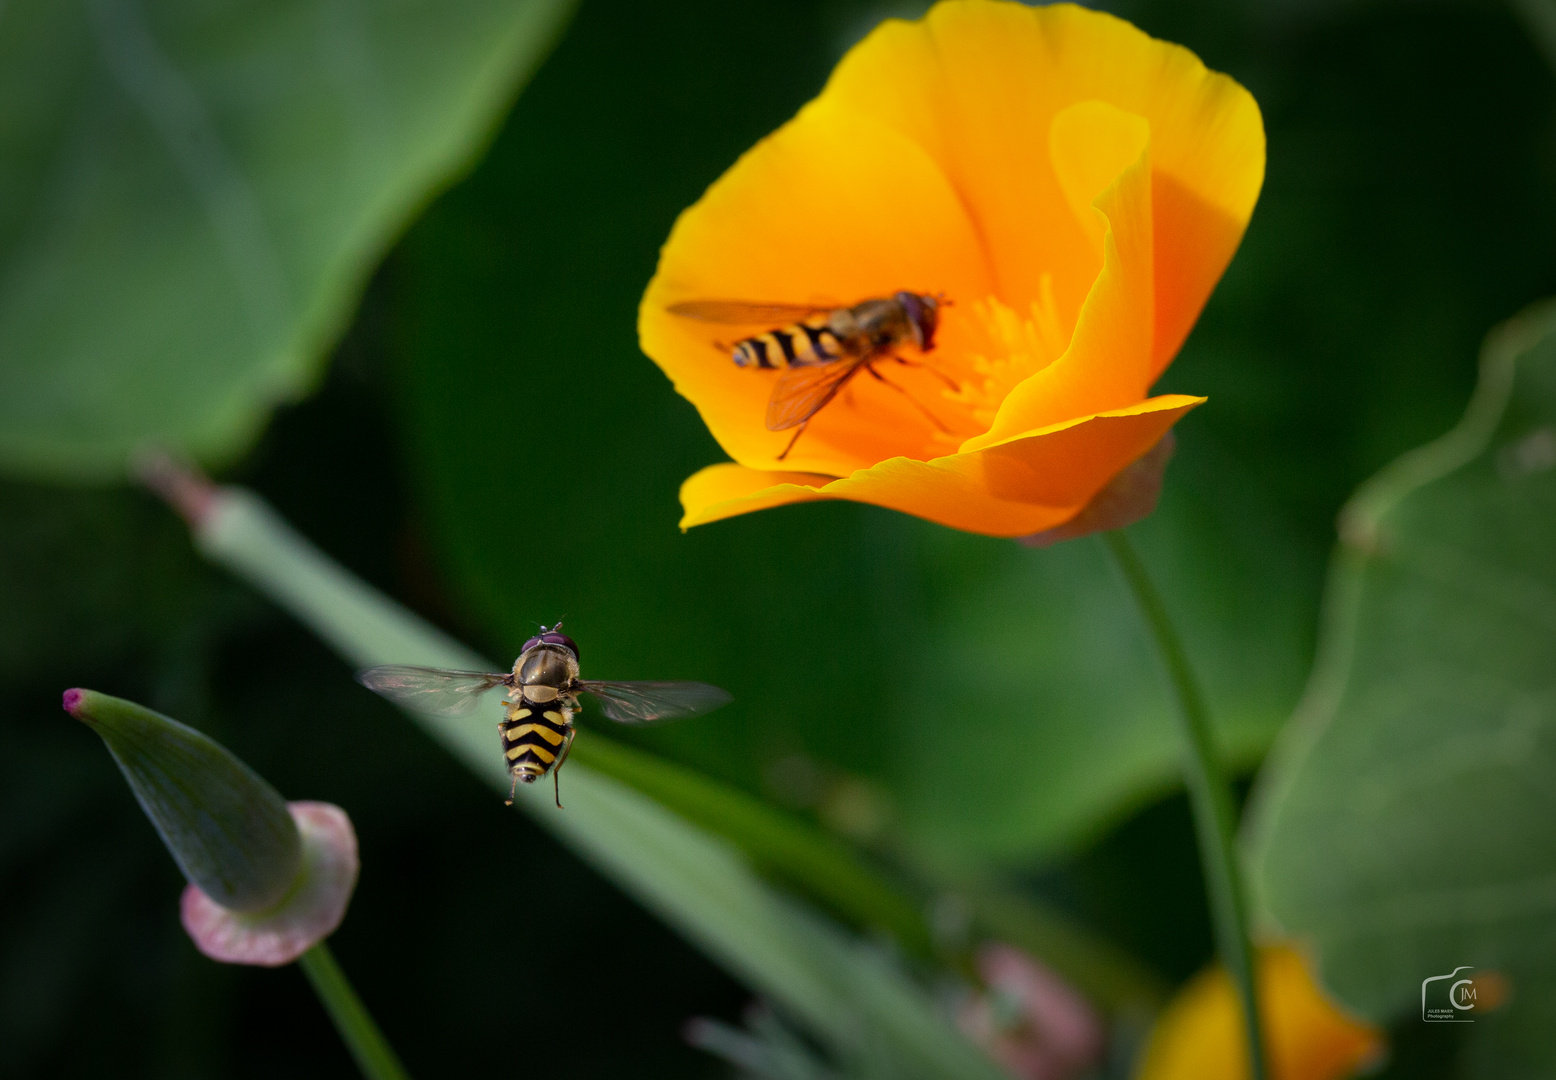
pixel 1025 484
pixel 1109 362
pixel 978 83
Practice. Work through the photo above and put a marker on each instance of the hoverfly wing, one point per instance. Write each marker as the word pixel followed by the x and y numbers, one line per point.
pixel 745 312
pixel 645 702
pixel 430 690
pixel 801 392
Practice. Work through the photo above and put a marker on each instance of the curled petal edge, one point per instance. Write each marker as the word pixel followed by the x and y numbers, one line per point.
pixel 1128 497
pixel 1025 484
pixel 308 914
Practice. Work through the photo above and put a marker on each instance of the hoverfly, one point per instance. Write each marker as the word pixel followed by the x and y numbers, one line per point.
pixel 822 347
pixel 542 700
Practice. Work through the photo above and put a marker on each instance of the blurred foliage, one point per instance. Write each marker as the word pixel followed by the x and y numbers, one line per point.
pixel 493 373
pixel 1407 826
pixel 247 162
pixel 850 994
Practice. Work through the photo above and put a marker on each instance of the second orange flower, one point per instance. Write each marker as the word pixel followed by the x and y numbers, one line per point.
pixel 1072 188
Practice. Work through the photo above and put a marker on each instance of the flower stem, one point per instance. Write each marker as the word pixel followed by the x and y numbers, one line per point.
pixel 1209 794
pixel 367 1044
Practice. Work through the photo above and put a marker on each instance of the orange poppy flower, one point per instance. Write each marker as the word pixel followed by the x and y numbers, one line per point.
pixel 1070 187
pixel 1200 1034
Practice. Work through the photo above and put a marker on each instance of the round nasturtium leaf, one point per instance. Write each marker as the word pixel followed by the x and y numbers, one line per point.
pixel 193 196
pixel 1407 824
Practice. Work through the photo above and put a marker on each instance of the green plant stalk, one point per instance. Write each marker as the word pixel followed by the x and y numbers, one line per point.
pixel 825 868
pixel 373 1054
pixel 1209 795
pixel 795 853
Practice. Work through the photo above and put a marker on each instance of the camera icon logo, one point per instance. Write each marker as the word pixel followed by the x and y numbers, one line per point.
pixel 1448 999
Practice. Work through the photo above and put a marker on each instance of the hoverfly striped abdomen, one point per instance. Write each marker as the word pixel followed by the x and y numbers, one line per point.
pixel 824 348
pixel 810 341
pixel 535 735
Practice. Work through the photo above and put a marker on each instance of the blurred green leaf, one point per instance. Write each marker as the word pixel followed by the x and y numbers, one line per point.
pixel 828 870
pixel 1407 825
pixel 1061 717
pixel 846 991
pixel 192 197
pixel 229 831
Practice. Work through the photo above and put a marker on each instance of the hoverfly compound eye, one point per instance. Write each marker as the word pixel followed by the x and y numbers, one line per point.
pixel 552 638
pixel 923 316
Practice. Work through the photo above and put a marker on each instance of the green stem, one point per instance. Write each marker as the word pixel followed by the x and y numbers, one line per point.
pixel 367 1044
pixel 1209 794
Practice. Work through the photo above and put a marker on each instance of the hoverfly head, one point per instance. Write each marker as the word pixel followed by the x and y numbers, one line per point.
pixel 551 636
pixel 923 313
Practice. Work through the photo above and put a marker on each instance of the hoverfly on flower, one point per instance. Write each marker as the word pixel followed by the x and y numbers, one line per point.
pixel 1077 186
pixel 542 700
pixel 822 346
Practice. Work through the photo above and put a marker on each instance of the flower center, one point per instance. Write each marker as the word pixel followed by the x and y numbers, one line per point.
pixel 1006 348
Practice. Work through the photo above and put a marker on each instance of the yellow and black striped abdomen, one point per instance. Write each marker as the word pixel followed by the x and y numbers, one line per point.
pixel 795 345
pixel 534 736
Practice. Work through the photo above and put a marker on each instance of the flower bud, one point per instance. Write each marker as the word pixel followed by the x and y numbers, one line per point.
pixel 267 879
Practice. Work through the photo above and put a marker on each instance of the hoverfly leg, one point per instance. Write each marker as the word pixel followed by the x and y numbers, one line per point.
pixel 797 433
pixel 556 772
pixel 512 790
pixel 954 386
pixel 931 417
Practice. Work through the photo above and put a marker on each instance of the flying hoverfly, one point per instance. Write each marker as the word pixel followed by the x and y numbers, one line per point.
pixel 822 347
pixel 541 701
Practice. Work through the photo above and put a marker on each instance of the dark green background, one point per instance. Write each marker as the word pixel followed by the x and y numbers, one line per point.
pixel 492 448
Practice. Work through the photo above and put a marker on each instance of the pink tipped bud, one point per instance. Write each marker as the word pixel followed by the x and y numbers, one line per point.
pixel 304 917
pixel 268 879
pixel 1030 1020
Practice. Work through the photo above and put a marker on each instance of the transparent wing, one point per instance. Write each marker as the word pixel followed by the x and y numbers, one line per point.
pixel 430 690
pixel 745 312
pixel 802 391
pixel 644 702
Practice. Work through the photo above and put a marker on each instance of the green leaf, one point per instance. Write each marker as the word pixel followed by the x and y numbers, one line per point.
pixel 844 989
pixel 1407 824
pixel 1061 719
pixel 228 830
pixel 192 198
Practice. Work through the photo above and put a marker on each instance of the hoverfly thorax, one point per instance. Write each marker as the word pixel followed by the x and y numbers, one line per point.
pixel 543 670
